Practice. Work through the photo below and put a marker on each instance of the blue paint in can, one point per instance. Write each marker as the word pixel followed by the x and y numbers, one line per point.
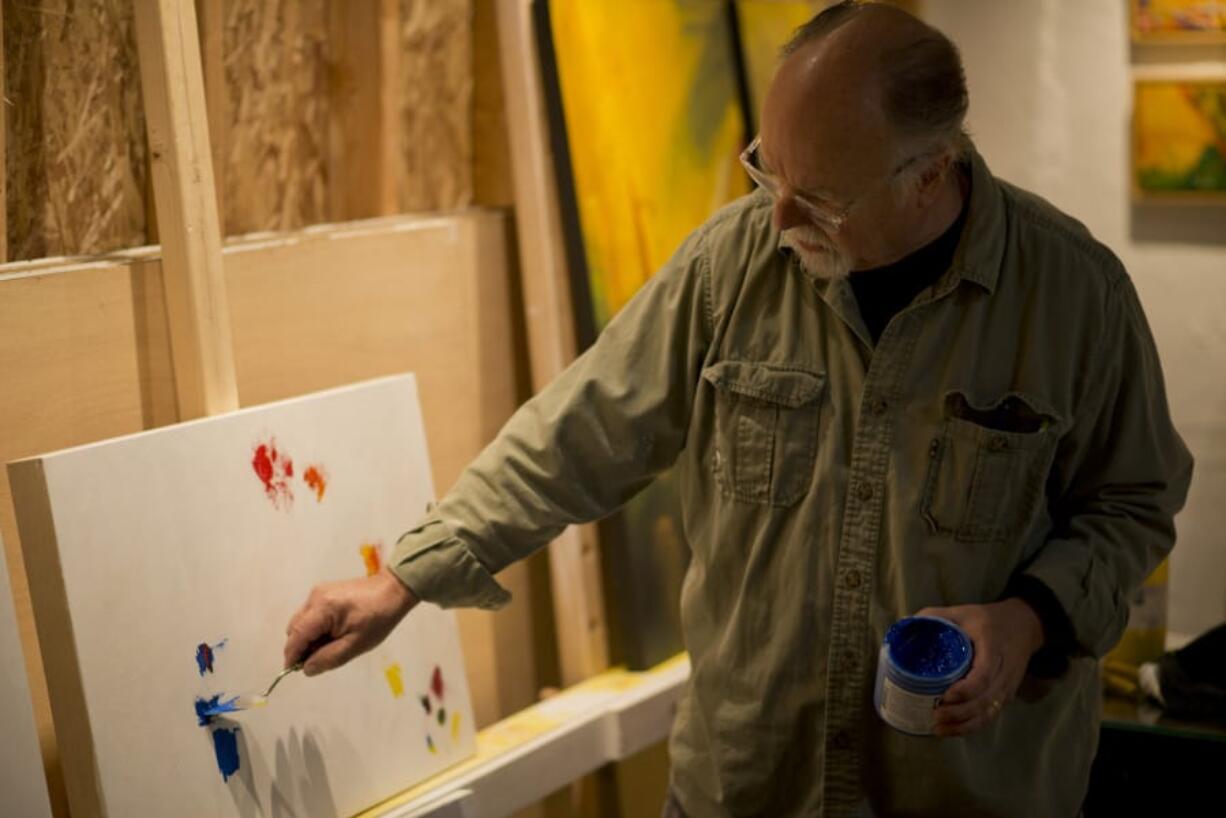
pixel 921 657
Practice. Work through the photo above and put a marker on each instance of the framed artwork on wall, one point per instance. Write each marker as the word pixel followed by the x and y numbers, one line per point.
pixel 1178 21
pixel 1179 140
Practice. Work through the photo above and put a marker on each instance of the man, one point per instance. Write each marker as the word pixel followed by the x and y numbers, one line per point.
pixel 972 423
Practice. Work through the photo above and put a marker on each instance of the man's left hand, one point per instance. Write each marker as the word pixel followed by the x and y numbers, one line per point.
pixel 1005 635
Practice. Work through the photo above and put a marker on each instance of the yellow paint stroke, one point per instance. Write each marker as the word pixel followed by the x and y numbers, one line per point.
pixel 654 130
pixel 394 681
pixel 370 555
pixel 455 726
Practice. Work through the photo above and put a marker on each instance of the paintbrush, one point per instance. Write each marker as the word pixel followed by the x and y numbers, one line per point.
pixel 206 709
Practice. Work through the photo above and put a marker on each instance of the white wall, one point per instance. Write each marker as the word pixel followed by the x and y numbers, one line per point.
pixel 1050 86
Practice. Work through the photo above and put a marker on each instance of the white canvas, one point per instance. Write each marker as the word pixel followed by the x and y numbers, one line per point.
pixel 182 537
pixel 21 765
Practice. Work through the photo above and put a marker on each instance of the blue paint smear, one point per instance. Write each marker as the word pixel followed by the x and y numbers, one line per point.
pixel 225 743
pixel 208 709
pixel 926 647
pixel 205 655
pixel 204 658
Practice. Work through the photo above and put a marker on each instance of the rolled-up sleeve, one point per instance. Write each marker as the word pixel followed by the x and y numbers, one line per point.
pixel 589 441
pixel 1121 474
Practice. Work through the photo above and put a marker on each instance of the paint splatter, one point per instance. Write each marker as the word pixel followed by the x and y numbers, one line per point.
pixel 275 470
pixel 371 556
pixel 436 683
pixel 225 744
pixel 394 681
pixel 205 655
pixel 425 704
pixel 455 726
pixel 204 658
pixel 207 709
pixel 317 479
pixel 430 745
pixel 442 716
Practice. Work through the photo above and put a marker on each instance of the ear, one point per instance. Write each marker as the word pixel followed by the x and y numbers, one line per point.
pixel 928 183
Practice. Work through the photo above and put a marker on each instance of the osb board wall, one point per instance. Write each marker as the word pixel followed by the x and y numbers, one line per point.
pixel 281 84
pixel 75 156
pixel 275 59
pixel 436 91
pixel 74 129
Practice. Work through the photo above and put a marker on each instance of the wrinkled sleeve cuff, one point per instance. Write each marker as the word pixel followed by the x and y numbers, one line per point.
pixel 439 568
pixel 1052 659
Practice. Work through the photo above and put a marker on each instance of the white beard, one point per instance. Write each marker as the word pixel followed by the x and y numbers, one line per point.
pixel 826 262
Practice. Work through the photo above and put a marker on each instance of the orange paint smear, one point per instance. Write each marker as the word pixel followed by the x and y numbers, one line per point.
pixel 370 555
pixel 317 479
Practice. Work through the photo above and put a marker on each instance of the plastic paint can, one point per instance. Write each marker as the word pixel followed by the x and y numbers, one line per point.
pixel 921 657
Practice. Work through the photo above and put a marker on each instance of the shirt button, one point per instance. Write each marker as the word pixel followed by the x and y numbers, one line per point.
pixel 879 407
pixel 864 492
pixel 998 443
pixel 851 579
pixel 842 740
pixel 934 447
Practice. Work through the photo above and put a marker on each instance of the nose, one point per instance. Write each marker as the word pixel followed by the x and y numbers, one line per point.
pixel 787 213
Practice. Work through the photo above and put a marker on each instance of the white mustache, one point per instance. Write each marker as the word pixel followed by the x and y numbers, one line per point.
pixel 794 236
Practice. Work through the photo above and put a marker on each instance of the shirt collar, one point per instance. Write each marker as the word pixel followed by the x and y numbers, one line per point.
pixel 982 247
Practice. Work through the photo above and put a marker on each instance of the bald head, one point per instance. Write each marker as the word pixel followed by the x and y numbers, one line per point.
pixel 879 72
pixel 864 118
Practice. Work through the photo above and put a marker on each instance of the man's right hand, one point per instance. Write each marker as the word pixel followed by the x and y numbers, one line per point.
pixel 349 617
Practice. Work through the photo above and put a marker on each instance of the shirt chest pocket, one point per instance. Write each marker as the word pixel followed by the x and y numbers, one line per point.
pixel 988 467
pixel 766 430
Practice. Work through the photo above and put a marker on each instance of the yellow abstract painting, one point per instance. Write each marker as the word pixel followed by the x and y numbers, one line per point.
pixel 653 129
pixel 1179 138
pixel 1179 20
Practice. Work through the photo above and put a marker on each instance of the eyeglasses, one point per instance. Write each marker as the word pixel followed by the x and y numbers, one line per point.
pixel 824 211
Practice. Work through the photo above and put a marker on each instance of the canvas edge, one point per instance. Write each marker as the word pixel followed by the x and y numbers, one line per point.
pixel 57 642
pixel 25 727
pixel 42 456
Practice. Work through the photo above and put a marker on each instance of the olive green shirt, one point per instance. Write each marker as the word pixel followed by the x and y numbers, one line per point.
pixel 1011 420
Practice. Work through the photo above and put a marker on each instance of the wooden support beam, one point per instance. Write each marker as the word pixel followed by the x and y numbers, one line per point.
pixel 186 201
pixel 216 102
pixel 574 557
pixel 364 127
pixel 4 253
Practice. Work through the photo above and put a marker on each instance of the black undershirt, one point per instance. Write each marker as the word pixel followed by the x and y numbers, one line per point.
pixel 882 292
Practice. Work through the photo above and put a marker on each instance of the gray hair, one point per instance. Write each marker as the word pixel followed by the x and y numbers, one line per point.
pixel 924 85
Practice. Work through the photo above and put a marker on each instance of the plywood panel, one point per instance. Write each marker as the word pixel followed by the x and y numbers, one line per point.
pixel 75 159
pixel 84 356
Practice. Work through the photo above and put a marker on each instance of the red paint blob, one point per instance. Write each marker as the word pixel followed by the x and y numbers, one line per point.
pixel 436 683
pixel 263 466
pixel 274 470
